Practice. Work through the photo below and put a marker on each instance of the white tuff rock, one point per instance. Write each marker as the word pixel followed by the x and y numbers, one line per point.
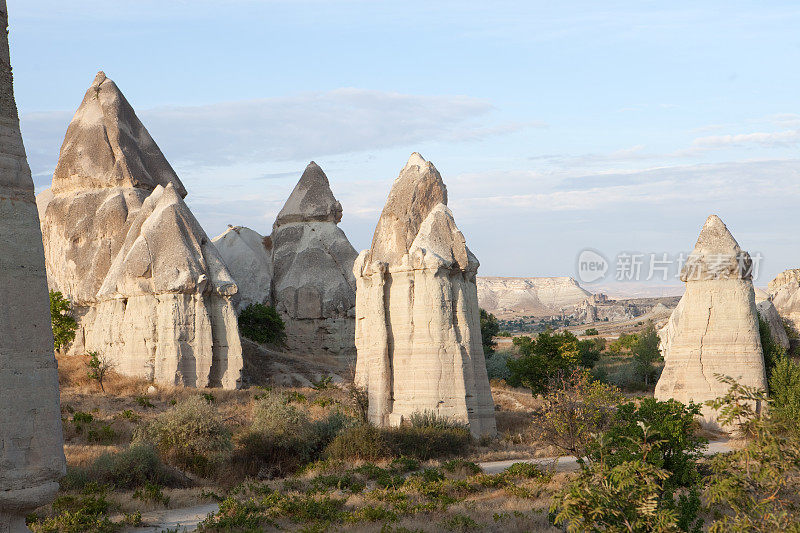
pixel 417 316
pixel 714 329
pixel 150 290
pixel 31 445
pixel 784 291
pixel 511 297
pixel 248 256
pixel 313 287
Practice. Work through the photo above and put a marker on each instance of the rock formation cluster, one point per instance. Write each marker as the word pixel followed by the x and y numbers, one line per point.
pixel 714 330
pixel 304 269
pixel 417 316
pixel 31 444
pixel 150 289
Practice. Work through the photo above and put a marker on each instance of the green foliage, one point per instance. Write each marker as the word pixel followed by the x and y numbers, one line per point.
pixel 497 366
pixel 461 523
pixel 432 419
pixel 670 426
pixel 773 352
pixel 575 408
pixel 784 385
pixel 153 493
pixel 646 353
pixel 550 353
pixel 64 324
pixel 754 489
pixel 592 331
pixel 741 407
pixel 625 342
pixel 127 469
pixel 262 323
pixel 191 435
pixel 78 514
pixel 363 442
pixel 99 366
pixel 367 443
pixel 490 327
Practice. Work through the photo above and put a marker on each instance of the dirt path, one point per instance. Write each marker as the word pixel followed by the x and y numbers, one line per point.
pixel 186 519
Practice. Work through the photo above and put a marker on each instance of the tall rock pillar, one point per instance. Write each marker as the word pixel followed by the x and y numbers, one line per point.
pixel 714 329
pixel 31 445
pixel 417 317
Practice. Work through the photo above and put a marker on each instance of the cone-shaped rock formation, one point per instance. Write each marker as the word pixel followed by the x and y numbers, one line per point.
pixel 149 288
pixel 784 291
pixel 31 445
pixel 313 287
pixel 417 318
pixel 714 329
pixel 248 256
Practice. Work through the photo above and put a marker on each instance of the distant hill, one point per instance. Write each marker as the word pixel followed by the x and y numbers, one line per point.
pixel 538 297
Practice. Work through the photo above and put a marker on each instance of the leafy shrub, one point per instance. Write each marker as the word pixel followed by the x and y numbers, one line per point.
pixel 99 366
pixel 191 435
pixel 261 323
pixel 127 469
pixel 591 331
pixel 151 492
pixel 646 354
pixel 625 342
pixel 363 442
pixel 671 426
pixel 432 419
pixel 773 352
pixel 549 354
pixel 784 384
pixel 497 366
pixel 755 488
pixel 77 514
pixel 575 409
pixel 64 324
pixel 490 327
pixel 425 443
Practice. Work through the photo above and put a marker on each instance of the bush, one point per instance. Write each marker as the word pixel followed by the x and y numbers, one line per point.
pixel 773 352
pixel 191 435
pixel 497 366
pixel 575 409
pixel 425 443
pixel 64 324
pixel 625 342
pixel 544 357
pixel 784 384
pixel 646 354
pixel 261 323
pixel 432 419
pixel 489 330
pixel 127 469
pixel 363 442
pixel 591 331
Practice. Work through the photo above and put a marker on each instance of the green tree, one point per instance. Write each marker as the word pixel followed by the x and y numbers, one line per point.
pixel 544 357
pixel 773 352
pixel 784 386
pixel 261 323
pixel 489 330
pixel 64 324
pixel 623 342
pixel 592 331
pixel 646 353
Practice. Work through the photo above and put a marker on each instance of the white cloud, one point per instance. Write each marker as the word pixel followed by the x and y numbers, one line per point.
pixel 767 139
pixel 293 128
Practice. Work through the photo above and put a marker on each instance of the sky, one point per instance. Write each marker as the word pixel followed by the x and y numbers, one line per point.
pixel 557 126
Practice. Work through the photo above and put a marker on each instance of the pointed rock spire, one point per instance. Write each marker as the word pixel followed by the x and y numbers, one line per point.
pixel 416 191
pixel 31 443
pixel 311 200
pixel 107 146
pixel 716 255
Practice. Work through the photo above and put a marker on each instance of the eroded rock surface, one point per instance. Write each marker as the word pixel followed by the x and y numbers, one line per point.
pixel 313 287
pixel 31 443
pixel 770 315
pixel 538 297
pixel 417 316
pixel 714 329
pixel 248 256
pixel 784 291
pixel 149 288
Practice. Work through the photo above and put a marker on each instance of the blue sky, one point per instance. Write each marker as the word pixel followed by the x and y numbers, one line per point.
pixel 557 126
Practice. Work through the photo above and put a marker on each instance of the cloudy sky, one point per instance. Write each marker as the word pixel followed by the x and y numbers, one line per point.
pixel 557 126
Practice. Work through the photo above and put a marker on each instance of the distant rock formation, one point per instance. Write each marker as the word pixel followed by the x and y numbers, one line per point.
pixel 768 313
pixel 31 442
pixel 248 256
pixel 536 297
pixel 149 288
pixel 313 287
pixel 417 316
pixel 714 329
pixel 784 291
